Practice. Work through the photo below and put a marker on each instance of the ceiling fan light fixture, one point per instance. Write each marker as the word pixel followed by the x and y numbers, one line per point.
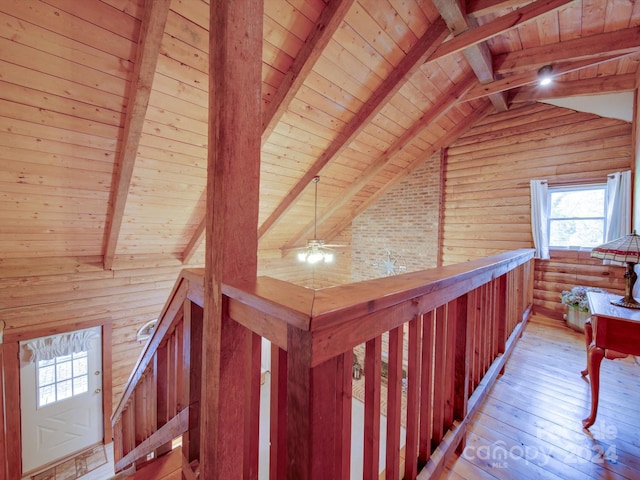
pixel 314 252
pixel 545 75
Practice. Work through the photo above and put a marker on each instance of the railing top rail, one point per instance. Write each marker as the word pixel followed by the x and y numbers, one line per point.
pixel 317 309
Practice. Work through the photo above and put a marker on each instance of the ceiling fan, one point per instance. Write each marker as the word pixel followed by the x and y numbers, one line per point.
pixel 316 250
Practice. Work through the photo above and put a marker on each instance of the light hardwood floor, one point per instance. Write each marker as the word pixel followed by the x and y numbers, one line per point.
pixel 530 425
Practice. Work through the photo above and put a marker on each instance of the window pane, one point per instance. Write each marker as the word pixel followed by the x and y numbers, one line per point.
pixel 80 385
pixel 568 233
pixel 80 366
pixel 577 203
pixel 64 358
pixel 46 375
pixel 64 389
pixel 63 371
pixel 44 363
pixel 80 355
pixel 46 395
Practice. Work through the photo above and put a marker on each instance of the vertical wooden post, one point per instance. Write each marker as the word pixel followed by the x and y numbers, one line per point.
pixel 252 401
pixel 278 417
pixel 233 182
pixel 313 396
pixel 439 365
pixel 161 377
pixel 502 312
pixel 12 404
pixel 461 358
pixel 3 442
pixel 394 403
pixel 372 367
pixel 191 439
pixel 344 393
pixel 413 398
pixel 107 380
pixel 426 388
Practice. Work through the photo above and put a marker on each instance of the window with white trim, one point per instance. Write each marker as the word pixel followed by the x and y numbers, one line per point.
pixel 62 377
pixel 577 215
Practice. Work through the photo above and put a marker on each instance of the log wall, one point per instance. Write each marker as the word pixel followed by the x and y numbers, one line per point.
pixel 124 298
pixel 487 196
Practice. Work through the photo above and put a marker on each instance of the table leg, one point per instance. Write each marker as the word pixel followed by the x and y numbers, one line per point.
pixel 594 359
pixel 588 337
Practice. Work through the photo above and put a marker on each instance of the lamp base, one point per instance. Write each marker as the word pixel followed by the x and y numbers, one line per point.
pixel 626 302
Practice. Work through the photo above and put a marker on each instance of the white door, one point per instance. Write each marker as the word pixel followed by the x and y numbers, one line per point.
pixel 61 399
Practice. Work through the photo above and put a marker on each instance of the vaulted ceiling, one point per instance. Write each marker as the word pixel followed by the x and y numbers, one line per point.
pixel 103 109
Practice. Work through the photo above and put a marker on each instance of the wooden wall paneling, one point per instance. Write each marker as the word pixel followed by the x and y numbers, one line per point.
pixel 487 191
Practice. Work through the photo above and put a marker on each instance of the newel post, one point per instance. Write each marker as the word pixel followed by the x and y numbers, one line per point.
pixel 318 412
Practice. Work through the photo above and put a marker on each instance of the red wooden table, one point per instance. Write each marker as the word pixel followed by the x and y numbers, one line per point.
pixel 613 331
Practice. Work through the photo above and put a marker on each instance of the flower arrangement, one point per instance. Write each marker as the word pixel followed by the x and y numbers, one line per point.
pixel 577 297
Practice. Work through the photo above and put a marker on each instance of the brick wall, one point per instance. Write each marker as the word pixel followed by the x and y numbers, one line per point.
pixel 405 221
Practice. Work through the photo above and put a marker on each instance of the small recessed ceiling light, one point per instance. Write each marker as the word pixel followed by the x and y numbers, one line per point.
pixel 545 75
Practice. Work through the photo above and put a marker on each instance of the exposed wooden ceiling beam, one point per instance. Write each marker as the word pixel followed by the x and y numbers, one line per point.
pixel 619 42
pixel 328 22
pixel 480 8
pixel 478 56
pixel 151 31
pixel 496 27
pixel 442 142
pixel 198 236
pixel 457 44
pixel 588 86
pixel 409 64
pixel 527 78
pixel 448 100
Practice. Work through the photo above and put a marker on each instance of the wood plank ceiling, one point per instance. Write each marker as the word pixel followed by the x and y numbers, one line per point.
pixel 103 109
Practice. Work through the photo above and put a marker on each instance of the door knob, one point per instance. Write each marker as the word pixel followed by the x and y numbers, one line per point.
pixel 97 390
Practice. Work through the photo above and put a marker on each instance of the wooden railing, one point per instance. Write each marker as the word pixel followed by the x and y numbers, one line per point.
pixel 447 331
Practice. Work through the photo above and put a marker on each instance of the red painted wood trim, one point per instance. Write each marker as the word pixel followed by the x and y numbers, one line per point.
pixel 252 402
pixel 413 398
pixel 278 417
pixel 426 388
pixel 372 367
pixel 394 403
pixel 12 404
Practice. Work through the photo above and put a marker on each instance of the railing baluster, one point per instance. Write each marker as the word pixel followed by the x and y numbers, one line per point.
pixel 413 397
pixel 192 371
pixel 426 387
pixel 372 380
pixel 252 401
pixel 278 415
pixel 457 322
pixel 394 403
pixel 439 374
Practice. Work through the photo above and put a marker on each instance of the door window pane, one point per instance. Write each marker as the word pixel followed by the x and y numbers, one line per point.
pixel 62 377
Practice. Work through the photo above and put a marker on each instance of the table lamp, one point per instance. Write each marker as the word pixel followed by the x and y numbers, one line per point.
pixel 625 249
